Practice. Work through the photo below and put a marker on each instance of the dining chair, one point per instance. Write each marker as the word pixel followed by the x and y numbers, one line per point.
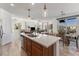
pixel 74 36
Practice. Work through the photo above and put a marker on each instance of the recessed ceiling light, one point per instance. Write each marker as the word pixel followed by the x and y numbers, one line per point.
pixel 33 3
pixel 11 4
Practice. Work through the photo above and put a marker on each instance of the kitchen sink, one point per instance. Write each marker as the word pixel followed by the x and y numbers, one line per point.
pixel 31 35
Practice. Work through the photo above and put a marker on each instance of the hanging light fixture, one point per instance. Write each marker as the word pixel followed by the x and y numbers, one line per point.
pixel 62 13
pixel 45 10
pixel 29 17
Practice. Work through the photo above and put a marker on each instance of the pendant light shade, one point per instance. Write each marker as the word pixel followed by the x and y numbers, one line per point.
pixel 29 17
pixel 45 10
pixel 62 13
pixel 33 3
pixel 45 7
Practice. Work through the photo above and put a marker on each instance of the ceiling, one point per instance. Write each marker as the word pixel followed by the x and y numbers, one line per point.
pixel 53 9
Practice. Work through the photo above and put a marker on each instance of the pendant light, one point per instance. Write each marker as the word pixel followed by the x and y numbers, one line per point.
pixel 62 14
pixel 29 17
pixel 45 10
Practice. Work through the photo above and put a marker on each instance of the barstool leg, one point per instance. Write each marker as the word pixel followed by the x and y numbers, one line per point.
pixel 77 43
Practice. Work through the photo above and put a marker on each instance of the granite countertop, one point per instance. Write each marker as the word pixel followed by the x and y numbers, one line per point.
pixel 43 39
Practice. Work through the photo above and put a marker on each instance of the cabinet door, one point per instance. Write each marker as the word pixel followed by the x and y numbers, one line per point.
pixel 28 44
pixel 24 43
pixel 36 49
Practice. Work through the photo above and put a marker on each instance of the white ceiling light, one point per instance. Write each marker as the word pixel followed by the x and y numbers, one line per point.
pixel 33 3
pixel 11 4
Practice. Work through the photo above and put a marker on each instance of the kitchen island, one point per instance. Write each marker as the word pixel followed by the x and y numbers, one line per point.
pixel 41 45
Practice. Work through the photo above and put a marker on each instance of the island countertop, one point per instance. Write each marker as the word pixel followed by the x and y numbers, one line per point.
pixel 43 39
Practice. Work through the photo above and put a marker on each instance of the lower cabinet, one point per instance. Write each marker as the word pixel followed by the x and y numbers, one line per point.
pixel 34 49
pixel 37 50
pixel 27 45
pixel 24 43
pixel 28 53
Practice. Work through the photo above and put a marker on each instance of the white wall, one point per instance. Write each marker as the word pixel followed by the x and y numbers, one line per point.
pixel 6 24
pixel 16 32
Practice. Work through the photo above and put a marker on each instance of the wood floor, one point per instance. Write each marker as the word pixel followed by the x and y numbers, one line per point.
pixel 14 49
